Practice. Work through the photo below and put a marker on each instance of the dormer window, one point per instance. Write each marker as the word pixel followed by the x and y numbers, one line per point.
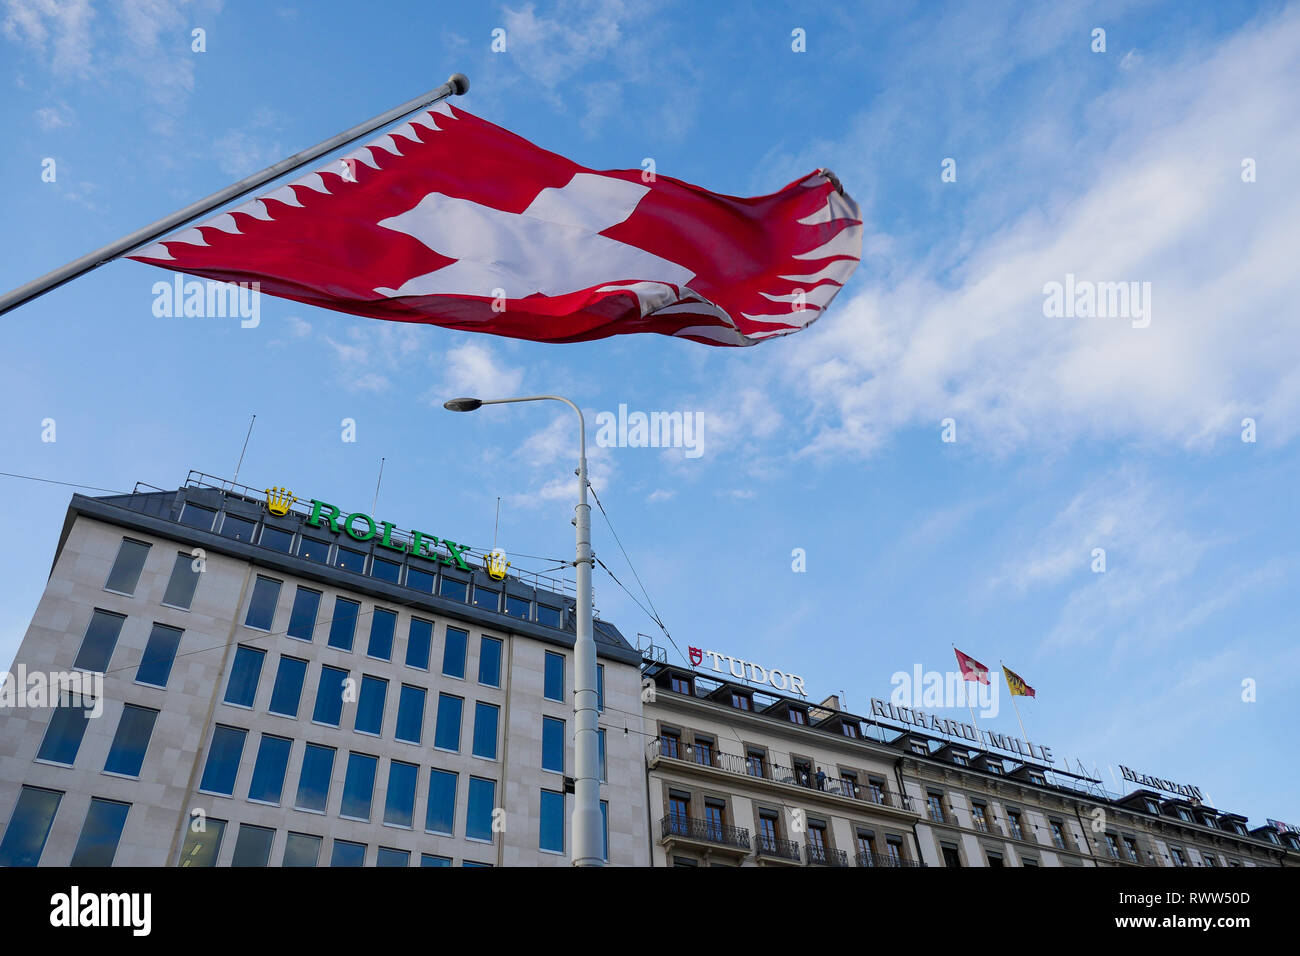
pixel 740 701
pixel 920 748
pixel 798 716
pixel 682 685
pixel 1153 807
pixel 1184 815
pixel 1037 778
pixel 994 766
pixel 850 730
pixel 960 761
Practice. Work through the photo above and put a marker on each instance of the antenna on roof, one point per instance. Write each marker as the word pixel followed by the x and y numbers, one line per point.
pixel 496 526
pixel 239 464
pixel 375 504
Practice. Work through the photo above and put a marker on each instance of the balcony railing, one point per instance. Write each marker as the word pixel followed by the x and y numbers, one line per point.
pixel 750 766
pixel 785 849
pixel 708 831
pixel 883 859
pixel 825 855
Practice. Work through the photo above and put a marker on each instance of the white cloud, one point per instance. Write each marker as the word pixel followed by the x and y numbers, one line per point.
pixel 54 117
pixel 660 494
pixel 61 29
pixel 473 369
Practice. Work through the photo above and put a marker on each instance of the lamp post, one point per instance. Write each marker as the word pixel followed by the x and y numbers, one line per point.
pixel 586 796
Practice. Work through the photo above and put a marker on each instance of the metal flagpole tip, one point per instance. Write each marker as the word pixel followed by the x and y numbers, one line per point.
pixel 459 83
pixel 462 404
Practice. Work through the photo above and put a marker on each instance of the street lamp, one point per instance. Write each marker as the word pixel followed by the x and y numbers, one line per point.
pixel 586 793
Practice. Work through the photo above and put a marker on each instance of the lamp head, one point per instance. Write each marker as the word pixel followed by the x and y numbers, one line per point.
pixel 462 404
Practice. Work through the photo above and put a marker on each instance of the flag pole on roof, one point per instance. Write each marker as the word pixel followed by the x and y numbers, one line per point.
pixel 457 84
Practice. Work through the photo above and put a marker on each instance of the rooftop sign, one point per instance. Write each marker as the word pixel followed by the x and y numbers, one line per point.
pixel 954 728
pixel 422 545
pixel 1159 783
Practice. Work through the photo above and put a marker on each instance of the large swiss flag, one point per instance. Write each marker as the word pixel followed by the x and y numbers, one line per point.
pixel 456 222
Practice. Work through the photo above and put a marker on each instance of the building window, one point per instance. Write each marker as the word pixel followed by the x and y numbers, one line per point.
pixel 1112 845
pixel 453 653
pixel 552 824
pixel 126 756
pixel 63 735
pixel 261 606
pixel 876 790
pixel 894 850
pixel 816 841
pixel 302 619
pixel 518 606
pixel 487 599
pixel 478 816
pixel 382 626
pixel 755 760
pixel 682 685
pixel 935 805
pixel 286 692
pixel 1058 833
pixel 1179 859
pixel 553 688
pixel 201 849
pixel 240 529
pixel 399 801
pixel 456 590
pixel 301 849
pixel 1028 861
pixel 329 696
pixel 1184 815
pixel 600 755
pixel 679 814
pixel 245 673
pixel 848 783
pixel 993 766
pixel 850 730
pixel 314 549
pixel 715 819
pixel 418 639
pixel 604 830
pixel 268 772
pixel 390 857
pixel 358 786
pixel 440 815
pixel 960 761
pixel 553 744
pixel 951 857
pixel 419 580
pixel 768 830
pixel 1130 845
pixel 350 559
pixel 274 538
pixel 670 744
pixel 385 570
pixel 1037 778
pixel 489 662
pixel 252 846
pixel 347 853
pixel 1153 807
pixel 867 847
pixel 797 716
pixel 979 816
pixel 223 760
pixel 1013 821
pixel 183 582
pixel 101 637
pixel 428 859
pixel 370 705
pixel 343 626
pixel 156 662
pixel 314 780
pixel 100 833
pixel 995 859
pixel 703 750
pixel 197 516
pixel 486 718
pixel 548 616
pixel 410 714
pixel 29 827
pixel 600 688
pixel 447 734
pixel 740 701
pixel 125 573
pixel 1209 859
pixel 920 748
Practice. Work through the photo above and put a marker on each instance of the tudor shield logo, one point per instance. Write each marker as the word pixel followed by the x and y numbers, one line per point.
pixel 697 656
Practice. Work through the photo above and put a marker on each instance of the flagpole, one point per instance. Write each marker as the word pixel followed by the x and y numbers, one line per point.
pixel 457 84
pixel 971 707
pixel 1014 706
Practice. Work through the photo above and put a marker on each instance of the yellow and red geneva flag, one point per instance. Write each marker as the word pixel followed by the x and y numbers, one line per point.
pixel 1017 684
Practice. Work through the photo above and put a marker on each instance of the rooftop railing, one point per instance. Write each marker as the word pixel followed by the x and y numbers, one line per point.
pixel 707 831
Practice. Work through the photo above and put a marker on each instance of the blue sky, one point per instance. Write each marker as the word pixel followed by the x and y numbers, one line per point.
pixel 1071 433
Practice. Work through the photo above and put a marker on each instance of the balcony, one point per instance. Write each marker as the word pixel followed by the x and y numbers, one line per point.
pixel 825 855
pixel 705 835
pixel 880 859
pixel 783 850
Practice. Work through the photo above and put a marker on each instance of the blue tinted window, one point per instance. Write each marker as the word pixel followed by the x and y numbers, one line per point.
pixel 478 816
pixel 268 771
pixel 453 652
pixel 101 833
pixel 419 580
pixel 223 760
pixel 600 687
pixel 518 606
pixel 329 696
pixel 276 539
pixel 399 803
pixel 554 689
pixel 600 749
pixel 183 581
pixel 456 590
pixel 261 608
pixel 550 616
pixel 428 859
pixel 125 573
pixel 486 598
pixel 241 529
pixel 447 734
pixel 131 740
pixel 489 662
pixel 314 781
pixel 370 705
pixel 391 857
pixel 382 625
pixel 485 730
pixel 101 637
pixel 156 662
pixel 417 644
pixel 252 846
pixel 314 549
pixel 350 560
pixel 302 621
pixel 29 827
pixel 63 735
pixel 301 849
pixel 552 827
pixel 410 714
pixel 287 692
pixel 348 854
pixel 440 817
pixel 201 848
pixel 344 623
pixel 358 786
pixel 553 744
pixel 385 570
pixel 604 830
pixel 197 516
pixel 241 689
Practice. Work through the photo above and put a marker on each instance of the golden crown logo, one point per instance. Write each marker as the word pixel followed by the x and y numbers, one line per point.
pixel 495 562
pixel 278 500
